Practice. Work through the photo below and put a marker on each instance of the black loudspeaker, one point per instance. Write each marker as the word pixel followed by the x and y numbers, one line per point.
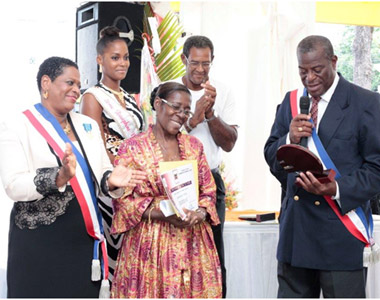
pixel 92 17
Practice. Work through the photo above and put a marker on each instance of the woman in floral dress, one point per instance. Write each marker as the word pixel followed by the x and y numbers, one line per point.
pixel 166 257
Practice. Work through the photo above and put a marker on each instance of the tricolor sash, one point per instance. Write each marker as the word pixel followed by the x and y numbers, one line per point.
pixel 355 221
pixel 81 184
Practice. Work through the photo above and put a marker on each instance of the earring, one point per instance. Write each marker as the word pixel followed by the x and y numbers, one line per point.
pixel 45 94
pixel 100 69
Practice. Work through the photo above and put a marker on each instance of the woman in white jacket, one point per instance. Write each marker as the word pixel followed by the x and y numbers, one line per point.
pixel 54 166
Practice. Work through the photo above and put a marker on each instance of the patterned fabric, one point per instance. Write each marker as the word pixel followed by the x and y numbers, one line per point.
pixel 32 214
pixel 45 180
pixel 158 260
pixel 314 110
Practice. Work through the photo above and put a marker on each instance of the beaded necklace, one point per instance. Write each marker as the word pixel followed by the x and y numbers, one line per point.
pixel 119 95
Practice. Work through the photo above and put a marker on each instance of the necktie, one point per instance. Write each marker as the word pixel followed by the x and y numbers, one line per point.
pixel 314 110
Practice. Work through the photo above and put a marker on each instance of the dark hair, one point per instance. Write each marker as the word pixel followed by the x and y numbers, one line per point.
pixel 164 90
pixel 197 41
pixel 310 43
pixel 53 67
pixel 108 35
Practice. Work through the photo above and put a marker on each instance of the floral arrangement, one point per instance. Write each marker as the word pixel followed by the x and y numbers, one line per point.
pixel 231 198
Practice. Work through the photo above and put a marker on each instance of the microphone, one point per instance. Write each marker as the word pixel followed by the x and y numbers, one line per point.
pixel 304 108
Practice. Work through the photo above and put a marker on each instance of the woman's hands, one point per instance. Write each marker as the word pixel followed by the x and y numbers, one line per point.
pixel 193 217
pixel 69 164
pixel 122 176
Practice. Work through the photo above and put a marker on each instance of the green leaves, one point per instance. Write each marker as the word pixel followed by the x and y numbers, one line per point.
pixel 168 62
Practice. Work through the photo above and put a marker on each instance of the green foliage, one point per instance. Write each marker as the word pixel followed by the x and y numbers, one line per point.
pixel 346 57
pixel 168 62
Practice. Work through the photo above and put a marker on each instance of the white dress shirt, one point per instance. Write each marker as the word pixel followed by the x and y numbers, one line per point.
pixel 322 105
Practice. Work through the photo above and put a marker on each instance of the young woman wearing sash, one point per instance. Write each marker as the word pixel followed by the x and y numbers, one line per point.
pixel 54 166
pixel 115 111
pixel 108 103
pixel 166 257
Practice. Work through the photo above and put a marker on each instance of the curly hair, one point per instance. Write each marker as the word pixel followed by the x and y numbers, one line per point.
pixel 53 67
pixel 197 41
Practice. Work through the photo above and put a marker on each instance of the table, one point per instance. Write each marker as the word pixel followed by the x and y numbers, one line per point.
pixel 250 253
pixel 250 258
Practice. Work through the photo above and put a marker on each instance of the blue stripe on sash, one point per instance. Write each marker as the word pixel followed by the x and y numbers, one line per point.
pixel 80 159
pixel 323 153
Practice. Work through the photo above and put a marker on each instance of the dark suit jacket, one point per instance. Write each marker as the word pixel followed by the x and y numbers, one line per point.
pixel 311 235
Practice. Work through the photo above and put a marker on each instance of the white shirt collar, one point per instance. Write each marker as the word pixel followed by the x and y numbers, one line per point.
pixel 327 96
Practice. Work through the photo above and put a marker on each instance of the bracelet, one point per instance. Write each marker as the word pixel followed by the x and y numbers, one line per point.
pixel 188 124
pixel 150 212
pixel 107 186
pixel 202 212
pixel 104 182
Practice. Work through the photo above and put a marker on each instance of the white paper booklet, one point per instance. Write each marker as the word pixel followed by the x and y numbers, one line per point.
pixel 181 187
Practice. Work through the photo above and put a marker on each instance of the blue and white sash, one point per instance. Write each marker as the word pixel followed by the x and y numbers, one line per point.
pixel 82 185
pixel 355 221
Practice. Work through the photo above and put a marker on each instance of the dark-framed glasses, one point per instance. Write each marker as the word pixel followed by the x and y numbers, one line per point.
pixel 177 108
pixel 195 64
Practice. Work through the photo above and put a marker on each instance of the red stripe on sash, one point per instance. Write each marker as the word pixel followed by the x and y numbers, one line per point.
pixel 346 221
pixel 105 261
pixel 293 103
pixel 73 181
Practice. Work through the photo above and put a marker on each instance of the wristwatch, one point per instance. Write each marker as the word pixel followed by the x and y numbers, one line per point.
pixel 214 116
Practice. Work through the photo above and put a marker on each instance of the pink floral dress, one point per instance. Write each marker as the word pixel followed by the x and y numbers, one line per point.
pixel 157 259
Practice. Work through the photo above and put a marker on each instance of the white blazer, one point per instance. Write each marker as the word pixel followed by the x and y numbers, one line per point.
pixel 23 150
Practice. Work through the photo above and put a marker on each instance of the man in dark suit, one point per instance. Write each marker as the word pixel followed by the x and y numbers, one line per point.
pixel 316 251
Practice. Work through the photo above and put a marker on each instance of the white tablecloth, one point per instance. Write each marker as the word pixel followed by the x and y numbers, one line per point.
pixel 250 251
pixel 250 257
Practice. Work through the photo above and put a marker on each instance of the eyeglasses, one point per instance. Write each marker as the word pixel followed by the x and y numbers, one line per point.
pixel 177 109
pixel 195 64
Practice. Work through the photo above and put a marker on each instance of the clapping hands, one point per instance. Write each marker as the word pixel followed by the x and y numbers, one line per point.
pixel 69 164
